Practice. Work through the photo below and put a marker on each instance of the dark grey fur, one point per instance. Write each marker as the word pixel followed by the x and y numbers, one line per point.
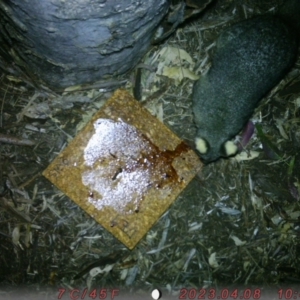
pixel 251 57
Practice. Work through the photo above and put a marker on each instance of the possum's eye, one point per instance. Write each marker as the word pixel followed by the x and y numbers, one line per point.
pixel 201 145
pixel 229 148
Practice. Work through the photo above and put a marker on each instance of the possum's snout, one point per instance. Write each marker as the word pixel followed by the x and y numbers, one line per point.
pixel 210 153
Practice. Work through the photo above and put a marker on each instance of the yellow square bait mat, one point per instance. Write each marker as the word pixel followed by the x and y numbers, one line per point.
pixel 125 168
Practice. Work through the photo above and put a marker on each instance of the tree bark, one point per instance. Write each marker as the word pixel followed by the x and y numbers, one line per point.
pixel 63 43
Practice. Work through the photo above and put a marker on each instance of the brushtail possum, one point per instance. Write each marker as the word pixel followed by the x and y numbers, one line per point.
pixel 251 58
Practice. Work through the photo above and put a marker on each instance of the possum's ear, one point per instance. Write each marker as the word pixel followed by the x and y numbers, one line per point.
pixel 202 145
pixel 229 148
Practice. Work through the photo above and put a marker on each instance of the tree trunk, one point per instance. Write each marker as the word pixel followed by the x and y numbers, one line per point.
pixel 63 43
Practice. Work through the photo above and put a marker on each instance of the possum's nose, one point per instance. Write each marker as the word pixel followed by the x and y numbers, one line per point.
pixel 210 153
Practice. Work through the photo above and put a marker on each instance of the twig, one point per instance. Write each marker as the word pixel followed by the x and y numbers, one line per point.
pixel 9 139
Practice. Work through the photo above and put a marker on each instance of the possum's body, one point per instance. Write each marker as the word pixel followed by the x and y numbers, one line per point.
pixel 251 57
